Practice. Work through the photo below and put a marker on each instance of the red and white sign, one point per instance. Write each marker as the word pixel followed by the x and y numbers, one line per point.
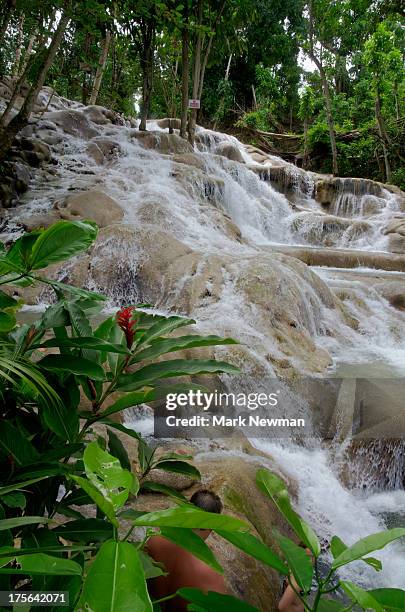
pixel 194 103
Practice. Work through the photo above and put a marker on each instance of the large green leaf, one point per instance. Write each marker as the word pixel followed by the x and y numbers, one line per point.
pixel 62 419
pixel 116 581
pixel 163 326
pixel 330 605
pixel 6 301
pixel 61 241
pixel 298 561
pixel 91 343
pixel 17 257
pixel 179 467
pixel 190 517
pixel 213 602
pixel 151 569
pixel 367 545
pixel 156 487
pixel 337 546
pixel 40 563
pixel 22 521
pixel 15 446
pixel 86 530
pixel 275 488
pixel 172 368
pixel 360 596
pixel 170 345
pixel 187 539
pixel 102 502
pixel 75 365
pixel 255 548
pixel 390 599
pixel 19 486
pixel 105 472
pixel 130 399
pixel 7 322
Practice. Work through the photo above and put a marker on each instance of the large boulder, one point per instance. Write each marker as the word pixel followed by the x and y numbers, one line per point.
pixel 102 116
pixel 229 150
pixel 328 230
pixel 103 149
pixel 94 205
pixel 162 142
pixel 72 122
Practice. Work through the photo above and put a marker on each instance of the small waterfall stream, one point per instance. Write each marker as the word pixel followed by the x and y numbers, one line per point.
pixel 229 217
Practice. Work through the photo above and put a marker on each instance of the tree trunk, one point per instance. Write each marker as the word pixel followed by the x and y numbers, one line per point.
pixel 383 136
pixel 329 115
pixel 7 134
pixel 16 92
pixel 184 76
pixel 196 75
pixel 306 156
pixel 101 67
pixel 222 100
pixel 16 67
pixel 147 84
pixel 6 19
pixel 28 52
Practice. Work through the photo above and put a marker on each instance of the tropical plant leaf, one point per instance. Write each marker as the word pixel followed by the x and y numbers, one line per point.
pixel 148 485
pixel 91 343
pixel 15 446
pixel 298 561
pixel 19 486
pixel 7 322
pixel 275 489
pixel 179 467
pixel 163 326
pixel 75 365
pixel 103 503
pixel 85 530
pixel 187 539
pixel 392 600
pixel 163 346
pixel 15 500
pixel 61 241
pixel 168 369
pixel 255 548
pixel 363 598
pixel 337 546
pixel 190 517
pixel 367 545
pixel 41 563
pixel 150 568
pixel 105 472
pixel 22 521
pixel 116 581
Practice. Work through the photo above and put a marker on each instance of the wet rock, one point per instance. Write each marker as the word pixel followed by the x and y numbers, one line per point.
pixel 103 149
pixel 22 177
pixel 102 116
pixel 94 205
pixel 230 151
pixel 328 230
pixel 396 243
pixel 162 142
pixel 327 190
pixel 72 122
pixel 396 225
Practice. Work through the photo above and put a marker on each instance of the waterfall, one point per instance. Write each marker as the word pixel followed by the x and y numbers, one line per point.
pixel 210 235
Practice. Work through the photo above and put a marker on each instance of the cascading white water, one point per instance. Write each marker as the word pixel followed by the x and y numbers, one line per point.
pixel 194 203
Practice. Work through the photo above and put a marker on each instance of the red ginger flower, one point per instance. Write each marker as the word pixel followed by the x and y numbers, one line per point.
pixel 127 323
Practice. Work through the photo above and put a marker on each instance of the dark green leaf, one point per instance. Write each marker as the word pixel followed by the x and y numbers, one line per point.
pixel 74 365
pixel 117 450
pixel 179 467
pixel 40 563
pixel 360 596
pixel 168 369
pixel 147 485
pixel 150 568
pixel 87 530
pixel 163 326
pixel 7 322
pixel 170 345
pixel 7 301
pixel 14 446
pixel 19 486
pixel 255 548
pixel 116 581
pixel 337 546
pixel 187 539
pixel 15 500
pixel 22 521
pixel 91 343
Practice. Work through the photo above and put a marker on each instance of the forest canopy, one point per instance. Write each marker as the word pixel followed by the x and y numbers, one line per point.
pixel 320 83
